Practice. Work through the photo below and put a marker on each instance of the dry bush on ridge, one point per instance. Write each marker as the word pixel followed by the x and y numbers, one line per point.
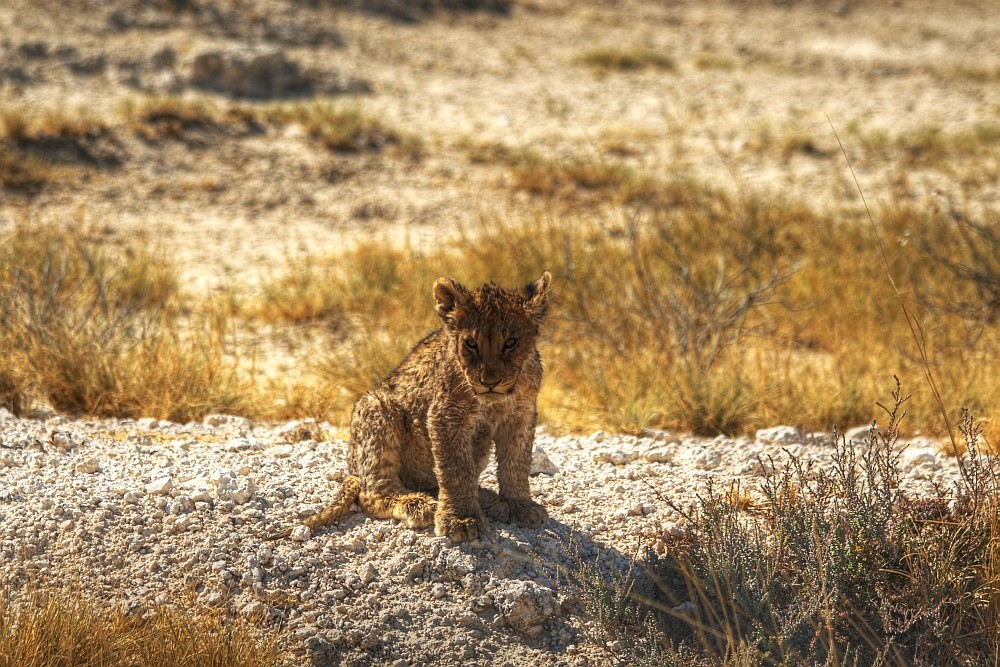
pixel 40 148
pixel 835 567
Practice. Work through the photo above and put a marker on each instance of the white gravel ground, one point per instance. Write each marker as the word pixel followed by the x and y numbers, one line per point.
pixel 146 512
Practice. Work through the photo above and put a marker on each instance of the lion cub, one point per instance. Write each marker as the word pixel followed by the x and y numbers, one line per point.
pixel 465 390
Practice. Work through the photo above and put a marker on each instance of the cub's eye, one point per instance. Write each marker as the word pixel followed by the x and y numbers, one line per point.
pixel 510 344
pixel 470 344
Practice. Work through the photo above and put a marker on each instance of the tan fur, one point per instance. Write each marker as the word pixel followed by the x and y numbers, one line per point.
pixel 466 390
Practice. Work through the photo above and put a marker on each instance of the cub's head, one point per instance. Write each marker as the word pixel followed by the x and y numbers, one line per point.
pixel 492 330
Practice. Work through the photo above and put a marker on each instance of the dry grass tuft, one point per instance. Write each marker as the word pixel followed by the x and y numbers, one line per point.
pixel 54 629
pixel 102 332
pixel 38 148
pixel 193 120
pixel 616 59
pixel 338 127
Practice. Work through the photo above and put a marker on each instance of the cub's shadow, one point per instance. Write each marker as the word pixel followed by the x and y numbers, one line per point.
pixel 529 586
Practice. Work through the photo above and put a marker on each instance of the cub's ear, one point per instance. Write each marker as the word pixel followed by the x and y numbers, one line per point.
pixel 538 293
pixel 452 300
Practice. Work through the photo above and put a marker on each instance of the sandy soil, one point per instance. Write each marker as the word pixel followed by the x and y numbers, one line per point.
pixel 748 79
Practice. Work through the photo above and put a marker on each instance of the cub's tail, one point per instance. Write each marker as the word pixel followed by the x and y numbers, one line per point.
pixel 349 492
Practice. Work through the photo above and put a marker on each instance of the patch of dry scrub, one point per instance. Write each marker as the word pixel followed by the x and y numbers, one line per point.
pixel 52 629
pixel 95 330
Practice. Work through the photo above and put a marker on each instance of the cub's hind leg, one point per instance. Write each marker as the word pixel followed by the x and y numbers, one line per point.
pixel 386 500
pixel 377 431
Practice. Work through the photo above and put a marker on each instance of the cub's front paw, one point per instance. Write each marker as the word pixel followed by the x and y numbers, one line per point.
pixel 459 528
pixel 527 513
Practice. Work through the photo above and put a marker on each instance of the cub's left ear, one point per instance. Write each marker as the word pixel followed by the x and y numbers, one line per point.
pixel 538 293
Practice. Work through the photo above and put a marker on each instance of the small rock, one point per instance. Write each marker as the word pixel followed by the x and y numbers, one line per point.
pixel 160 487
pixel 254 609
pixel 616 457
pixel 281 451
pixel 541 464
pixel 658 455
pixel 87 466
pixel 300 533
pixel 368 573
pixel 857 434
pixel 227 420
pixel 708 459
pixel 525 605
pixel 234 488
pixel 671 530
pixel 779 435
pixel 662 437
pixel 65 440
pixel 640 509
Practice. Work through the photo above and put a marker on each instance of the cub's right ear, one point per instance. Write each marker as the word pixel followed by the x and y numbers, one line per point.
pixel 452 300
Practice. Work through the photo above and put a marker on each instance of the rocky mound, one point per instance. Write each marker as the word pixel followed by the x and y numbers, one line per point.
pixel 145 512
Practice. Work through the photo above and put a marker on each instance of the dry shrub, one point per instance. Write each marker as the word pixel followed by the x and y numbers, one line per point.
pixel 192 120
pixel 839 566
pixel 101 332
pixel 615 59
pixel 338 127
pixel 42 147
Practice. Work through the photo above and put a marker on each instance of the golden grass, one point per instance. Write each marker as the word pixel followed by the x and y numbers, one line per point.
pixel 704 311
pixel 577 180
pixel 40 147
pixel 63 629
pixel 159 117
pixel 779 315
pixel 616 59
pixel 96 331
pixel 339 127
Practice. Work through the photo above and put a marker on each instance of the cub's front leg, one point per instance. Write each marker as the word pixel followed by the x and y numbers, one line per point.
pixel 458 513
pixel 514 440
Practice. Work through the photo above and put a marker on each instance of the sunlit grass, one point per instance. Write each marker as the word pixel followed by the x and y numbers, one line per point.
pixel 338 127
pixel 93 330
pixel 56 629
pixel 656 323
pixel 616 59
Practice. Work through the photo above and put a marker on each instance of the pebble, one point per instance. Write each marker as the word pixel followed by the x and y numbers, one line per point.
pixel 87 466
pixel 160 487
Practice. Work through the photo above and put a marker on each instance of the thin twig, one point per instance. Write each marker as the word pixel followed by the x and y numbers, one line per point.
pixel 916 331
